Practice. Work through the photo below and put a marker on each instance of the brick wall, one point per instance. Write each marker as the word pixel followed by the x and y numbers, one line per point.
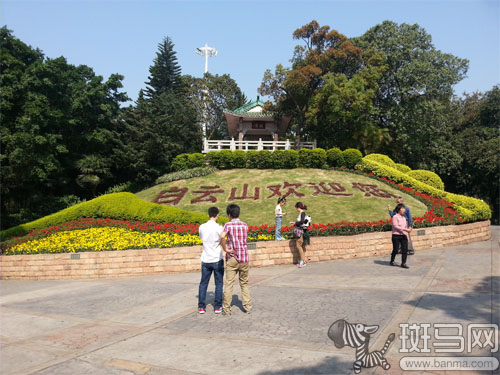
pixel 184 259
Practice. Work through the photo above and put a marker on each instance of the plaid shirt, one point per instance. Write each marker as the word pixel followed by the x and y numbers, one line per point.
pixel 237 232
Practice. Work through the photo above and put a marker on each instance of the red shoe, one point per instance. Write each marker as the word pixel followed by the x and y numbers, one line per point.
pixel 201 311
pixel 217 311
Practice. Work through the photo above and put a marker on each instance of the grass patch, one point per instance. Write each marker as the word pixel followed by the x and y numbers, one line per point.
pixel 322 208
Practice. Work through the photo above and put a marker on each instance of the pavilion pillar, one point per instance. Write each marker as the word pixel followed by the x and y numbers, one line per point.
pixel 275 137
pixel 240 139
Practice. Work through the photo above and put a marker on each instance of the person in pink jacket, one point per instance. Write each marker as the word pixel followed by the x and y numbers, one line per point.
pixel 400 232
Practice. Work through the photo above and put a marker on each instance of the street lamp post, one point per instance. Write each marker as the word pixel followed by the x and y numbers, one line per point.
pixel 207 52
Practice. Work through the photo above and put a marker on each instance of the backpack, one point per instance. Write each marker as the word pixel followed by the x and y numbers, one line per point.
pixel 307 222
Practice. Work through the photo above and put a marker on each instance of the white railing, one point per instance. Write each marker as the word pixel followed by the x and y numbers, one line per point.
pixel 209 145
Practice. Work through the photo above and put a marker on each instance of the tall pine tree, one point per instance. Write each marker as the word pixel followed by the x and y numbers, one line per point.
pixel 165 73
pixel 162 124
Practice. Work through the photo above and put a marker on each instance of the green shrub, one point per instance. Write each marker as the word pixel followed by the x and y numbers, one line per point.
pixel 125 187
pixel 312 158
pixel 427 177
pixel 195 160
pixel 185 174
pixel 214 159
pixel 393 174
pixel 305 158
pixel 119 206
pixel 225 159
pixel 239 159
pixel 351 157
pixel 403 168
pixel 253 159
pixel 180 162
pixel 290 159
pixel 471 209
pixel 382 159
pixel 278 159
pixel 265 159
pixel 334 157
pixel 479 209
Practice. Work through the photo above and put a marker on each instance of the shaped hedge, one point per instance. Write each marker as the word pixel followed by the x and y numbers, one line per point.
pixel 402 168
pixel 471 209
pixel 120 206
pixel 427 177
pixel 382 159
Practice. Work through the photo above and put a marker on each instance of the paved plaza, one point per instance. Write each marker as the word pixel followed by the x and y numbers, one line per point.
pixel 150 324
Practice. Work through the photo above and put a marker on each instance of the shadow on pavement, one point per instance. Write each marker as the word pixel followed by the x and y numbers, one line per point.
pixel 328 366
pixel 382 262
pixel 479 306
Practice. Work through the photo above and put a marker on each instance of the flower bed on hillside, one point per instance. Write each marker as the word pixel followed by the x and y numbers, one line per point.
pixel 90 234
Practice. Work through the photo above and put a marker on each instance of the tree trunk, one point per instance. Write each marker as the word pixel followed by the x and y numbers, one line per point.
pixel 297 142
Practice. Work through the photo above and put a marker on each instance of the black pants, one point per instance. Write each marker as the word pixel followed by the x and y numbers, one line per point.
pixel 397 240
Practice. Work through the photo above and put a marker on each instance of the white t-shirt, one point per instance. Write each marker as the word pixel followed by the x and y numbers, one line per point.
pixel 277 211
pixel 210 234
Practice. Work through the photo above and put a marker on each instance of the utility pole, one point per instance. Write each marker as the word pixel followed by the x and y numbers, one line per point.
pixel 207 52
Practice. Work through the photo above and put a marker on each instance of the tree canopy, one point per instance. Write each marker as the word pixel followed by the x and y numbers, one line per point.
pixel 329 89
pixel 211 95
pixel 54 115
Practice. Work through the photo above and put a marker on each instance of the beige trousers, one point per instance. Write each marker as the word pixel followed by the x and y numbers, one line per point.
pixel 234 268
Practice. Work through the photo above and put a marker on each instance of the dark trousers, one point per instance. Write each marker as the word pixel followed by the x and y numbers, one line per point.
pixel 399 240
pixel 206 272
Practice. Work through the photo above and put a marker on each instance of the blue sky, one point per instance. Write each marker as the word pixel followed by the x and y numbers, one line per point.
pixel 113 36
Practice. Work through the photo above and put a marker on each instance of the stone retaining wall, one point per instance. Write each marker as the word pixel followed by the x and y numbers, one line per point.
pixel 185 259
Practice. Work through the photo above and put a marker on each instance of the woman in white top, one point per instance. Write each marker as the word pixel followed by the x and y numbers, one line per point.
pixel 278 212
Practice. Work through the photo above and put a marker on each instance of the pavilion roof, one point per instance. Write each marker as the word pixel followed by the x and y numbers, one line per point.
pixel 250 114
pixel 247 107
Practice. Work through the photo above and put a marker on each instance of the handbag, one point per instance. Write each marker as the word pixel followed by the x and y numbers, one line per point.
pixel 298 232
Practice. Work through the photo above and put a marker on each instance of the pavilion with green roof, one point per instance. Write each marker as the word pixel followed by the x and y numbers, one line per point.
pixel 251 123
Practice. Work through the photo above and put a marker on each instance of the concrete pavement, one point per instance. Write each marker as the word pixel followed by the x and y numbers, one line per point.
pixel 150 324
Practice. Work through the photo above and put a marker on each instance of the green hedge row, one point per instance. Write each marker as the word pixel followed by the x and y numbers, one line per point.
pixel 185 174
pixel 280 159
pixel 119 206
pixel 471 209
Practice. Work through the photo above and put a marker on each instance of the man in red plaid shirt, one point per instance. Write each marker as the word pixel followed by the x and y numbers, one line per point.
pixel 236 258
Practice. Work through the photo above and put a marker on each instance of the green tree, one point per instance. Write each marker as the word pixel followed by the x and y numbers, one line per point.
pixel 414 95
pixel 342 111
pixel 161 125
pixel 211 95
pixel 92 169
pixel 331 81
pixel 476 138
pixel 52 113
pixel 165 73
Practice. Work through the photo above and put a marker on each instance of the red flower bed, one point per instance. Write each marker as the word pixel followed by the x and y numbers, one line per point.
pixel 440 212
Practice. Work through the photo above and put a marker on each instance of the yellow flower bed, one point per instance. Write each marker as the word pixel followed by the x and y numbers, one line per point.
pixel 102 239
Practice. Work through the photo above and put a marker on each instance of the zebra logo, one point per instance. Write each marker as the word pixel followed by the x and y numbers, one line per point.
pixel 358 336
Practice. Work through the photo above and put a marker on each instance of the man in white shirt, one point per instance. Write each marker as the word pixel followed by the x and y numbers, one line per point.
pixel 211 261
